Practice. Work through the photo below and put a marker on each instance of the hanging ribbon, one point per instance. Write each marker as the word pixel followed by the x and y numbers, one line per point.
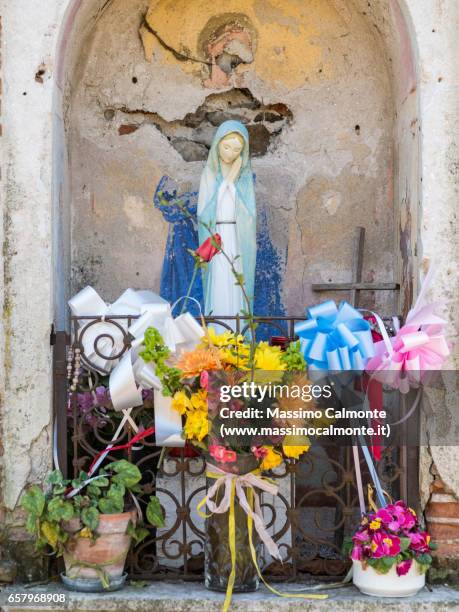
pixel 104 349
pixel 418 348
pixel 102 454
pixel 406 360
pixel 98 459
pixel 335 339
pixel 234 485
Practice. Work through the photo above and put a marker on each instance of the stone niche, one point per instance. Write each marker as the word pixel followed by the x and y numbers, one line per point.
pixel 151 83
pixel 310 81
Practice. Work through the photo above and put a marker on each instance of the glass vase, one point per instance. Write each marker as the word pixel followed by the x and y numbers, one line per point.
pixel 217 567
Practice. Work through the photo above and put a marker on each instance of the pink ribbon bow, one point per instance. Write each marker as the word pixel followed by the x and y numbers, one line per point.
pixel 248 481
pixel 419 347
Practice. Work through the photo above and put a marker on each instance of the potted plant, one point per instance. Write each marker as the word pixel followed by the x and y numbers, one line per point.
pixel 91 522
pixel 390 552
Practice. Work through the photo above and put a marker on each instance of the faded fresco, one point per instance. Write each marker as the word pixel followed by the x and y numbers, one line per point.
pixel 154 82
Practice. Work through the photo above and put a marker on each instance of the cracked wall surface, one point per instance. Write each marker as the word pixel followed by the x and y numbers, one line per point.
pixel 321 120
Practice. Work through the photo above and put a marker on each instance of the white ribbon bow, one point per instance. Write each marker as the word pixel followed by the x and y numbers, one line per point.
pixel 249 481
pixel 103 343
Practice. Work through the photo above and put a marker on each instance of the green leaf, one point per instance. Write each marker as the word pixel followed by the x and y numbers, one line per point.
pixel 113 503
pixel 93 491
pixel 381 565
pixel 31 524
pixel 90 517
pixel 154 512
pixel 59 489
pixel 404 543
pixel 116 490
pixel 348 545
pixel 78 500
pixel 100 482
pixel 55 478
pixel 127 473
pixel 110 505
pixel 381 568
pixel 60 510
pixel 388 561
pixel 141 534
pixel 424 559
pixel 33 501
pixel 130 529
pixel 138 534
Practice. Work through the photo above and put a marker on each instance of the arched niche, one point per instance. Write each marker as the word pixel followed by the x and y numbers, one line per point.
pixel 346 71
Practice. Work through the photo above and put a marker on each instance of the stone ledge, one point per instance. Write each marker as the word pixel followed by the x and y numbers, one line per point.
pixel 193 597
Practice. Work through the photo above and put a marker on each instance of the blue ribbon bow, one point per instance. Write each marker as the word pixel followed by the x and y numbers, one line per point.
pixel 334 338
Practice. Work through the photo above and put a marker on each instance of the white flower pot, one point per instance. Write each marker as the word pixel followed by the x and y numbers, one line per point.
pixel 368 581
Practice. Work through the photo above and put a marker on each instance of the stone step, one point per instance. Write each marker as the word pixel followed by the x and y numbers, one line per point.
pixel 193 597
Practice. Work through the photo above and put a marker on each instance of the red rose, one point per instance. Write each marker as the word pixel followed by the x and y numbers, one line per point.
pixel 208 248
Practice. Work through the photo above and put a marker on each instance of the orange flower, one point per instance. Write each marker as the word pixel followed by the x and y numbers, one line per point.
pixel 194 362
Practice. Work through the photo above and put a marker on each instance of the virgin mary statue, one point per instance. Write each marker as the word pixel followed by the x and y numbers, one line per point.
pixel 226 205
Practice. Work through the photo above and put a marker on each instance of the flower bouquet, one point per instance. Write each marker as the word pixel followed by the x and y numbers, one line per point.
pixel 234 470
pixel 390 552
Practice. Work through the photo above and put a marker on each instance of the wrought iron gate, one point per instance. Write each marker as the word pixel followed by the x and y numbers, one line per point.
pixel 316 506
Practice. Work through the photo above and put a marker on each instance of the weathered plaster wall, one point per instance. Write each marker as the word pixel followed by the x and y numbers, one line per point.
pixel 26 284
pixel 329 170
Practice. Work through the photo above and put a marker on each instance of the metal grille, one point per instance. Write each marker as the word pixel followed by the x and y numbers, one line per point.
pixel 317 502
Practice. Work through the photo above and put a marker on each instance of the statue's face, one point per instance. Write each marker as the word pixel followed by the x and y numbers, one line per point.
pixel 229 148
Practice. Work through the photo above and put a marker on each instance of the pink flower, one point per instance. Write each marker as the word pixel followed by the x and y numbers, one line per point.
pixel 419 541
pixel 384 545
pixel 230 456
pixel 222 454
pixel 357 553
pixel 204 379
pixel 394 526
pixel 401 517
pixel 404 567
pixel 361 536
pixel 259 451
pixel 384 515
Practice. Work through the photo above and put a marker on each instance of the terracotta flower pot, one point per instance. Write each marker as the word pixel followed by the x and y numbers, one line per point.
pixel 370 582
pixel 108 553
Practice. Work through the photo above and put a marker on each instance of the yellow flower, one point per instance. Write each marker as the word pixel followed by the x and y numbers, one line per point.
pixel 196 425
pixel 235 357
pixel 373 546
pixel 198 401
pixel 225 339
pixel 269 357
pixel 181 402
pixel 376 524
pixel 194 362
pixel 292 450
pixel 271 460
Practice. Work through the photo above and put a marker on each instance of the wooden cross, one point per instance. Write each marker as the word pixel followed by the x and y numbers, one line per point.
pixel 356 285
